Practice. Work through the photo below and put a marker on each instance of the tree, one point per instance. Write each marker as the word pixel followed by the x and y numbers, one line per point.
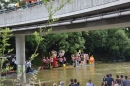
pixel 95 39
pixel 110 44
pixel 118 43
pixel 70 42
pixel 76 42
pixel 52 42
pixel 5 34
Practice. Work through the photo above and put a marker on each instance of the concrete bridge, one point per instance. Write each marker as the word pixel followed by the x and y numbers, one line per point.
pixel 80 15
pixel 83 14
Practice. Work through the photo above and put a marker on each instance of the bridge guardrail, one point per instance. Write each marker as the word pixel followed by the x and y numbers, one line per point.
pixel 37 12
pixel 21 7
pixel 39 3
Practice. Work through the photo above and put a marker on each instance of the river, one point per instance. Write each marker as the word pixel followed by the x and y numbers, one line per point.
pixel 83 73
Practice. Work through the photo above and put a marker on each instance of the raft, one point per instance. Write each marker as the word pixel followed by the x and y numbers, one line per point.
pixel 84 65
pixel 14 73
pixel 8 73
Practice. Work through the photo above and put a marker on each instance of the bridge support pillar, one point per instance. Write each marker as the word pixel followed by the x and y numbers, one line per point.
pixel 20 57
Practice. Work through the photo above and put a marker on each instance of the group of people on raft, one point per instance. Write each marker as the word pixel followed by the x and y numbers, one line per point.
pixel 54 60
pixel 60 60
pixel 82 58
pixel 10 66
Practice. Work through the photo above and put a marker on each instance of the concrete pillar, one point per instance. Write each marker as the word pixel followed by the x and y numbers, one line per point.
pixel 20 57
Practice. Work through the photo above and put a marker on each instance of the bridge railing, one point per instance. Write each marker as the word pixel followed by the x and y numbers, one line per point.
pixel 36 12
pixel 80 6
pixel 14 8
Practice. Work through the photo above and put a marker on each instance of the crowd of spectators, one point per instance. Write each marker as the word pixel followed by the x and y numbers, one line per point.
pixel 73 82
pixel 108 80
pixel 121 80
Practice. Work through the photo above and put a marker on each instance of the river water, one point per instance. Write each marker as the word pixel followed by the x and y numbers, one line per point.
pixel 83 73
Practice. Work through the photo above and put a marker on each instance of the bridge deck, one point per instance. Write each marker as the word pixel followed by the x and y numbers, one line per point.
pixel 38 14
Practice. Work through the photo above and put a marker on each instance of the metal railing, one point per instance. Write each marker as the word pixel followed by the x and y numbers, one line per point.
pixel 88 4
pixel 20 8
pixel 35 12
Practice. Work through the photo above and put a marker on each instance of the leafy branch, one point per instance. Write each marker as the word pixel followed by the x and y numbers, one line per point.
pixel 5 35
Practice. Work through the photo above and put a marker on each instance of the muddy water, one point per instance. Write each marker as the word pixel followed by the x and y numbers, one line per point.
pixel 83 73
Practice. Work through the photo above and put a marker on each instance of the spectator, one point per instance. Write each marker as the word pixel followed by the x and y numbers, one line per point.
pixel 118 79
pixel 129 77
pixel 28 64
pixel 71 82
pixel 109 80
pixel 102 84
pixel 122 79
pixel 43 84
pixel 104 79
pixel 61 83
pixel 54 84
pixel 89 83
pixel 126 82
pixel 78 83
pixel 75 83
pixel 116 83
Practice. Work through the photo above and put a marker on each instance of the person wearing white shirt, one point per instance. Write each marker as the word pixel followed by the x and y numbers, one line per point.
pixel 116 83
pixel 28 65
pixel 89 83
pixel 14 64
pixel 13 60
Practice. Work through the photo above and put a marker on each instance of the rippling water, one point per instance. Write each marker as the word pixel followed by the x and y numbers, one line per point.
pixel 83 73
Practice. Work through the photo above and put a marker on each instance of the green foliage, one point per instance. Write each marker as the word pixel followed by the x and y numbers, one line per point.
pixel 113 42
pixel 76 42
pixel 70 42
pixel 38 36
pixel 2 80
pixel 5 34
pixel 119 43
